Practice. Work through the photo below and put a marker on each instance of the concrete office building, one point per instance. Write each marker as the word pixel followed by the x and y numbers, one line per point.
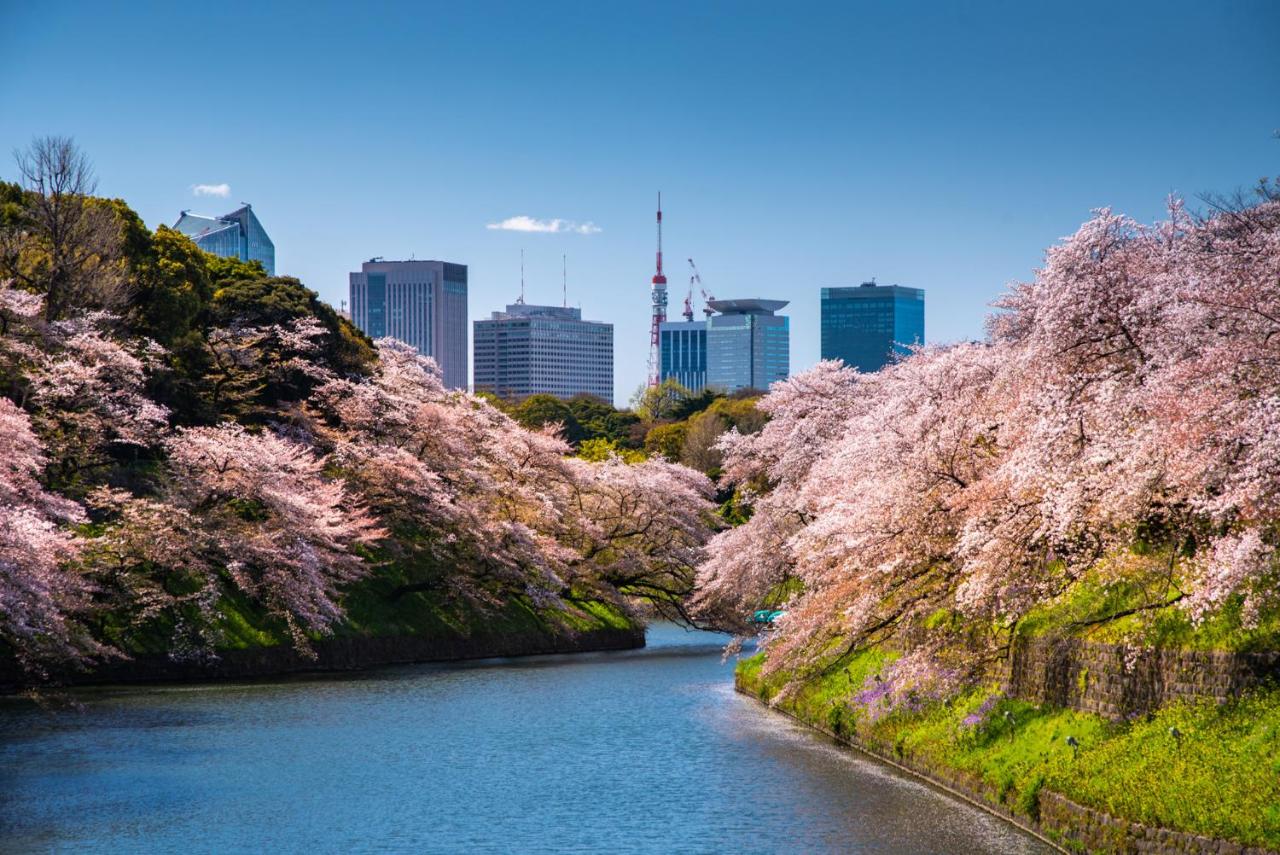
pixel 748 346
pixel 235 235
pixel 422 303
pixel 530 350
pixel 869 325
pixel 683 349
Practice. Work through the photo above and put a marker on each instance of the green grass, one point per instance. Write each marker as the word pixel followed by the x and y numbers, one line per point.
pixel 1141 581
pixel 373 610
pixel 1221 777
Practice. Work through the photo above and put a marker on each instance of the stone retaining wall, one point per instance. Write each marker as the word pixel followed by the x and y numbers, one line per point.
pixel 1095 831
pixel 1118 682
pixel 334 655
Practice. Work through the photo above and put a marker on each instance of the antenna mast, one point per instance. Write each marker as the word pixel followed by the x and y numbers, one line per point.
pixel 564 281
pixel 658 294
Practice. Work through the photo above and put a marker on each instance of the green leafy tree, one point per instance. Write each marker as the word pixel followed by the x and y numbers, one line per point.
pixel 741 413
pixel 599 450
pixel 695 403
pixel 537 411
pixel 661 402
pixel 698 451
pixel 173 287
pixel 667 440
pixel 278 300
pixel 600 419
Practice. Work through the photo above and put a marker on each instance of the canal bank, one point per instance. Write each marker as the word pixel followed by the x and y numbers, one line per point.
pixel 1036 765
pixel 957 789
pixel 332 655
pixel 379 630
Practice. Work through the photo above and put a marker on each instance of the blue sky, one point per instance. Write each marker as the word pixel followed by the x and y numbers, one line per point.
pixel 936 145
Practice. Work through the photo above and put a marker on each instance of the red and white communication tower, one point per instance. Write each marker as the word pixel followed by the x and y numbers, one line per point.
pixel 658 293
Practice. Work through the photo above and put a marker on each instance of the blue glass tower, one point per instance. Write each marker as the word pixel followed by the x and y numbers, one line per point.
pixel 235 235
pixel 869 325
pixel 684 353
pixel 748 346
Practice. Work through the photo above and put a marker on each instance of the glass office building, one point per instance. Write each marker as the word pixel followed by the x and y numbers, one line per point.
pixel 235 235
pixel 530 350
pixel 748 346
pixel 422 303
pixel 683 348
pixel 869 325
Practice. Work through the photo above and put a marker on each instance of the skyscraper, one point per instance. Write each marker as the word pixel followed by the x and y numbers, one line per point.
pixel 235 235
pixel 868 325
pixel 748 346
pixel 422 303
pixel 684 353
pixel 530 350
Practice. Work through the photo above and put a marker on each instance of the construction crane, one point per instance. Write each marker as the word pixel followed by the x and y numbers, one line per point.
pixel 696 278
pixel 688 299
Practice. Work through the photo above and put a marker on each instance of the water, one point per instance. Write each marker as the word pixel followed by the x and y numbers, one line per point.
pixel 640 751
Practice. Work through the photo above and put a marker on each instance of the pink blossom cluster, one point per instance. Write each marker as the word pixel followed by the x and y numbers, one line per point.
pixel 312 496
pixel 1130 391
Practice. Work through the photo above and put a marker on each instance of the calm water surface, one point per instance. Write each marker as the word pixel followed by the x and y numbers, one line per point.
pixel 642 751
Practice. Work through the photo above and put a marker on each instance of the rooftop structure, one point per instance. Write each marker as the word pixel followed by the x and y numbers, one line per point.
pixel 748 346
pixel 235 235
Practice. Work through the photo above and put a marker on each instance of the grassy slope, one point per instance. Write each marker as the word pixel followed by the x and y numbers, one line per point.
pixel 1220 778
pixel 1137 586
pixel 373 612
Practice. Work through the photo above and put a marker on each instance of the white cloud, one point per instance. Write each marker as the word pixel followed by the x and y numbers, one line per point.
pixel 524 223
pixel 223 190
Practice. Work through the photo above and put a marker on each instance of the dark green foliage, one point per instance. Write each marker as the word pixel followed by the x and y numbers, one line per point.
pixel 537 411
pixel 693 403
pixel 264 301
pixel 585 417
pixel 172 287
pixel 12 200
pixel 600 420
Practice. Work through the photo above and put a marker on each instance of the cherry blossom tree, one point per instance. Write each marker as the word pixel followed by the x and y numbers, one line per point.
pixel 238 511
pixel 638 530
pixel 40 597
pixel 86 389
pixel 486 509
pixel 270 519
pixel 1128 395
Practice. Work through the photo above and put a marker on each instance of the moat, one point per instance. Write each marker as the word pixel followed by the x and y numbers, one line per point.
pixel 637 751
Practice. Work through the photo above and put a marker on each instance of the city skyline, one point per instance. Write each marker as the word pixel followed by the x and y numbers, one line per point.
pixel 872 158
pixel 618 427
